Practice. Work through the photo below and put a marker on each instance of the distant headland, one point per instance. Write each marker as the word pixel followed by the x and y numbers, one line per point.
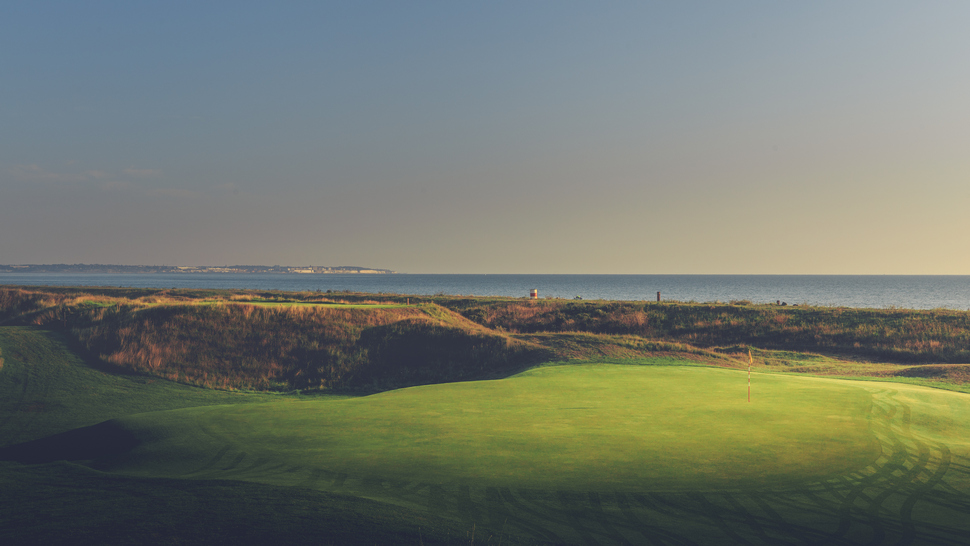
pixel 129 269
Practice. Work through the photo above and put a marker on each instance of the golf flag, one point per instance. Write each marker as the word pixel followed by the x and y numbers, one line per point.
pixel 750 361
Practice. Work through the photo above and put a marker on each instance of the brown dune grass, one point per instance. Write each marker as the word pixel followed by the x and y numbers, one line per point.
pixel 238 345
pixel 889 334
pixel 232 339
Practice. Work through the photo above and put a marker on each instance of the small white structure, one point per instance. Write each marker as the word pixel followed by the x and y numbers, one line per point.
pixel 534 294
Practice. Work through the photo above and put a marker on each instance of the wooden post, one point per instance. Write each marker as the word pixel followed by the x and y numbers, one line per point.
pixel 658 297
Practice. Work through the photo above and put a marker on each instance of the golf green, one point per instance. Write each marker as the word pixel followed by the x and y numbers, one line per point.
pixel 575 454
pixel 602 427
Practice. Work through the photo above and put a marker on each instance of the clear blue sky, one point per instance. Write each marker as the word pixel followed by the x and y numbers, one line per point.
pixel 489 137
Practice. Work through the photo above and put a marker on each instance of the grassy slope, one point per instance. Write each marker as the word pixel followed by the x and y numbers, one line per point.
pixel 591 453
pixel 898 335
pixel 953 377
pixel 284 341
pixel 559 428
pixel 556 454
pixel 69 504
pixel 45 389
pixel 274 345
pixel 915 489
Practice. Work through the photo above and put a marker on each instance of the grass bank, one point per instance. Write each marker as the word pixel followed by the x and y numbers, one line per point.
pixel 664 449
pixel 269 340
pixel 895 335
pixel 48 390
pixel 574 427
pixel 573 454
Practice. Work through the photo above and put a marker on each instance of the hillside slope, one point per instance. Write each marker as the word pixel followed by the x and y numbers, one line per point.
pixel 275 345
pixel 270 340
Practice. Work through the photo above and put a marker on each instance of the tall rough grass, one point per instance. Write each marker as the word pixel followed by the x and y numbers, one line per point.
pixel 893 334
pixel 214 338
pixel 235 345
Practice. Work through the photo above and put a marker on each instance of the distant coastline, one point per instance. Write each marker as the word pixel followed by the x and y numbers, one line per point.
pixel 135 269
pixel 855 291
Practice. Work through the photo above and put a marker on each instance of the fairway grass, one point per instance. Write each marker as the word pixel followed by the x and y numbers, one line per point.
pixel 567 454
pixel 590 427
pixel 45 388
pixel 607 454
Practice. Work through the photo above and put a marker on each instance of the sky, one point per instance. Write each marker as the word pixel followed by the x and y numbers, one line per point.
pixel 742 137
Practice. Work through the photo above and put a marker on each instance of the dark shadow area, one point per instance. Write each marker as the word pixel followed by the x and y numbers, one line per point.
pixel 67 504
pixel 99 442
pixel 414 352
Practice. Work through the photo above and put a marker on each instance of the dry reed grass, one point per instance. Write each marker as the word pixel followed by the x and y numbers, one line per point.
pixel 236 345
pixel 897 335
pixel 225 339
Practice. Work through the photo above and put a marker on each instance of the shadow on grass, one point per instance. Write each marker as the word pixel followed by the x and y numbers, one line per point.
pixel 102 442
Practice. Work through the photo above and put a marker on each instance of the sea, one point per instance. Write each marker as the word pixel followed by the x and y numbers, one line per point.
pixel 859 291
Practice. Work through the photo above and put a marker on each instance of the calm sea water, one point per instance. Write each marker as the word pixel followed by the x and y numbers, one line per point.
pixel 871 291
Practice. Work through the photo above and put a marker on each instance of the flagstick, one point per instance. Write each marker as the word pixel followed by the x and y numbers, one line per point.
pixel 749 375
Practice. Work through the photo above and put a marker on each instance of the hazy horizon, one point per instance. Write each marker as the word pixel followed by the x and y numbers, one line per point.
pixel 391 270
pixel 521 138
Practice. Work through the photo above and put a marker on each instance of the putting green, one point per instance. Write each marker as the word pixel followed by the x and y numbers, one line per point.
pixel 602 427
pixel 590 454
